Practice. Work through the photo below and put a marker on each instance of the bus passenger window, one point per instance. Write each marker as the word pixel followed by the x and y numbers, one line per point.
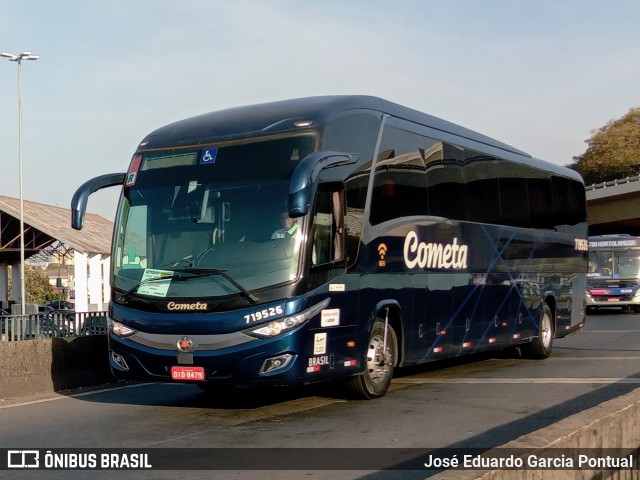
pixel 400 188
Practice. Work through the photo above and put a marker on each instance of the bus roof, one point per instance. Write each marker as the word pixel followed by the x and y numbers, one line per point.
pixel 279 116
pixel 282 116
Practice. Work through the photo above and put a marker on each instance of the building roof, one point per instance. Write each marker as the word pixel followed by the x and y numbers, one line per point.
pixel 46 224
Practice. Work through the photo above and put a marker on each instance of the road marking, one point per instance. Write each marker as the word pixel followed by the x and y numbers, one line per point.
pixel 563 380
pixel 250 415
pixel 74 395
pixel 609 331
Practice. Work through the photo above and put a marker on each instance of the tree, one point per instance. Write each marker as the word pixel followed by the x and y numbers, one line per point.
pixel 37 285
pixel 613 150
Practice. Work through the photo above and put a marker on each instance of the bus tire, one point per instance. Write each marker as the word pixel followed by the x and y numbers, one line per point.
pixel 540 347
pixel 375 380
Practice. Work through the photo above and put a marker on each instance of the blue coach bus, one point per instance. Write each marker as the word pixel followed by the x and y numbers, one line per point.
pixel 335 237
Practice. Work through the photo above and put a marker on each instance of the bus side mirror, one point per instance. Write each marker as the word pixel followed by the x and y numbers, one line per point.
pixel 304 180
pixel 80 198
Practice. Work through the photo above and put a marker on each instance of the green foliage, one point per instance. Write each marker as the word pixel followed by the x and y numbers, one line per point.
pixel 36 283
pixel 613 150
pixel 38 288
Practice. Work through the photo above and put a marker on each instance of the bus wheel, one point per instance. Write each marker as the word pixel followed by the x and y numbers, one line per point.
pixel 540 347
pixel 375 380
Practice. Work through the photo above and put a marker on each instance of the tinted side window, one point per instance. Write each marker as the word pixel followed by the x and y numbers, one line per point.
pixel 356 194
pixel 514 195
pixel 352 134
pixel 328 226
pixel 356 133
pixel 447 192
pixel 569 205
pixel 400 177
pixel 483 189
pixel 579 196
pixel 540 200
pixel 417 175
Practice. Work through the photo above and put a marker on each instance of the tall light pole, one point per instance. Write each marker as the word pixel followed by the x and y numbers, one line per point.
pixel 18 59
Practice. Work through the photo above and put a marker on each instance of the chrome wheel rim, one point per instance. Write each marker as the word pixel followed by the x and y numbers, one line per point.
pixel 545 330
pixel 379 362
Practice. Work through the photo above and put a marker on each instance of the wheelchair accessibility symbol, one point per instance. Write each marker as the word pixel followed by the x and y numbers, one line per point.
pixel 208 155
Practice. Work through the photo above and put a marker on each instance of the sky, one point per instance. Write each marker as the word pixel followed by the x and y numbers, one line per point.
pixel 537 75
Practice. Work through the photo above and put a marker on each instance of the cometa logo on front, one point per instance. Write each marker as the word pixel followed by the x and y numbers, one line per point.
pixel 186 306
pixel 450 256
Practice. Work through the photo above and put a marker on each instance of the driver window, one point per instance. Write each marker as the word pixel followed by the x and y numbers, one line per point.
pixel 328 221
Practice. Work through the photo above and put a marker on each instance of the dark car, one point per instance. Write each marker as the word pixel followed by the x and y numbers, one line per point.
pixel 61 305
pixel 56 324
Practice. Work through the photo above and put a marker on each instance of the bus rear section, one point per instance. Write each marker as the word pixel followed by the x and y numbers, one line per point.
pixel 614 273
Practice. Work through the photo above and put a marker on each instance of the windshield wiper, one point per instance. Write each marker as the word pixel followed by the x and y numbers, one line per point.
pixel 189 273
pixel 206 272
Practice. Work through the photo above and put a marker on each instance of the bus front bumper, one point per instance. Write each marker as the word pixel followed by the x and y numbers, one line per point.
pixel 256 361
pixel 613 301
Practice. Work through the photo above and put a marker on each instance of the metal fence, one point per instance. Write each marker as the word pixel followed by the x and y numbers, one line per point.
pixel 15 328
pixel 612 183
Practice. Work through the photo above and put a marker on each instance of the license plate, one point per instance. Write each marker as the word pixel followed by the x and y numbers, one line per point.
pixel 187 373
pixel 613 299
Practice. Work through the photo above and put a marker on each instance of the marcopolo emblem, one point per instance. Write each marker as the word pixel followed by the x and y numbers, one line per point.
pixel 185 344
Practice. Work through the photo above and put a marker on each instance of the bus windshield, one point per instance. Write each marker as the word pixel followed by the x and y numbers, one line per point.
pixel 615 264
pixel 211 210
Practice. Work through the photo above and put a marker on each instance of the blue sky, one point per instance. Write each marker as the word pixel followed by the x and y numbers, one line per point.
pixel 537 75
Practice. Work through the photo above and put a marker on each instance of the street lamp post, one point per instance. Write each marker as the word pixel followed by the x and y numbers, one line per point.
pixel 18 59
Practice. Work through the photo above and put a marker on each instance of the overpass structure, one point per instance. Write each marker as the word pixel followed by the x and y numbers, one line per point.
pixel 614 207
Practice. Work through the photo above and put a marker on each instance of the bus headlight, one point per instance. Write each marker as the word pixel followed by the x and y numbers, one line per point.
pixel 120 329
pixel 283 325
pixel 280 326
